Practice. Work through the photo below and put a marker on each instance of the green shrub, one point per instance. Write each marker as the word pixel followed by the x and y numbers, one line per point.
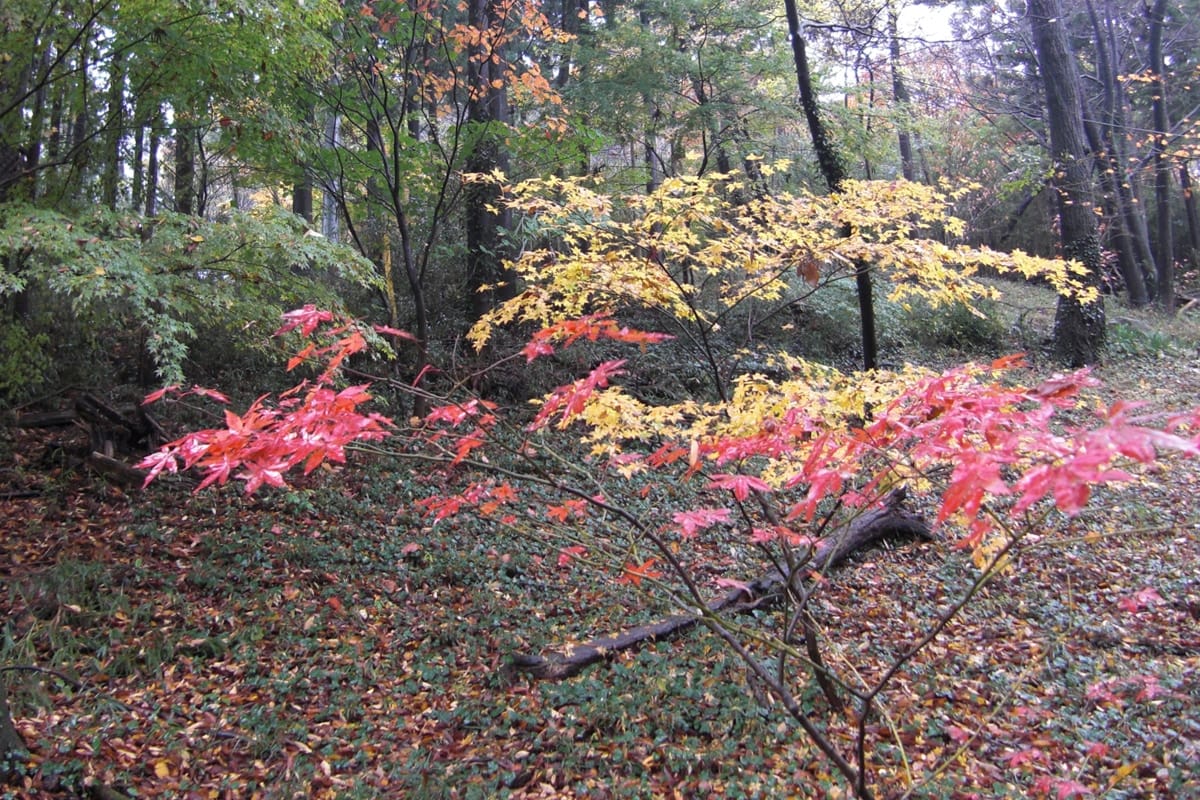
pixel 25 363
pixel 957 327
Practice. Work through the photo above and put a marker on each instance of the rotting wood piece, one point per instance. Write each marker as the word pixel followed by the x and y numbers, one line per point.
pixel 130 430
pixel 889 520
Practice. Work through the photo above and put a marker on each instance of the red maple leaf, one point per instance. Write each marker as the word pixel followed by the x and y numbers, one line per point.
pixel 740 485
pixel 692 522
pixel 636 573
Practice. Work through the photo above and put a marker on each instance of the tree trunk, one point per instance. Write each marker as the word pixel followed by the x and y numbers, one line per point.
pixel 486 217
pixel 302 198
pixel 12 746
pixel 138 184
pixel 1078 326
pixel 900 96
pixel 1189 204
pixel 1121 239
pixel 110 179
pixel 330 213
pixel 1134 257
pixel 1164 256
pixel 185 165
pixel 302 188
pixel 1115 133
pixel 834 172
pixel 152 167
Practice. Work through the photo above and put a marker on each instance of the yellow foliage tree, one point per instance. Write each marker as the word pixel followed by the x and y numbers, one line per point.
pixel 689 250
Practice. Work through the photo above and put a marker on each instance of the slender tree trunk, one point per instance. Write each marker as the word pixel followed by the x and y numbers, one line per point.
pixel 302 198
pixel 80 145
pixel 1131 273
pixel 834 172
pixel 1116 132
pixel 302 189
pixel 137 186
pixel 1078 326
pixel 650 156
pixel 332 188
pixel 1134 267
pixel 152 165
pixel 1164 257
pixel 37 123
pixel 12 746
pixel 572 10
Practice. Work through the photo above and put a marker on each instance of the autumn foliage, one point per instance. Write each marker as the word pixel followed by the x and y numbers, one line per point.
pixel 987 450
pixel 781 458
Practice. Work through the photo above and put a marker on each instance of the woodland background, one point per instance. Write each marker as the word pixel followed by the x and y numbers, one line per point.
pixel 651 301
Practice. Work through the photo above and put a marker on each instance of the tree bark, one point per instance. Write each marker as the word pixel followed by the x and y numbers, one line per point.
pixel 110 179
pixel 486 217
pixel 900 96
pixel 185 166
pixel 1164 257
pixel 1190 207
pixel 834 172
pixel 1116 131
pixel 1078 326
pixel 1119 236
pixel 1134 256
pixel 889 520
pixel 152 163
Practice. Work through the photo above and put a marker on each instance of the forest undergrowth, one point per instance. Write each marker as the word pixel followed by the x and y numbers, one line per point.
pixel 326 641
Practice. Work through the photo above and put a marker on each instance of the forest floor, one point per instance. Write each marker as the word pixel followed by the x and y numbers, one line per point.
pixel 321 642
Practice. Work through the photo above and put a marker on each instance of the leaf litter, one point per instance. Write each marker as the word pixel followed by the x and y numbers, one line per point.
pixel 320 643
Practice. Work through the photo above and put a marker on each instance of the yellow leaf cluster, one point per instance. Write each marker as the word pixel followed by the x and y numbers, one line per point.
pixel 694 250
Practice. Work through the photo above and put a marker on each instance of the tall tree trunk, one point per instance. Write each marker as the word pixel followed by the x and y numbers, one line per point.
pixel 1131 273
pixel 1164 257
pixel 152 165
pixel 110 179
pixel 1116 133
pixel 302 189
pixel 900 95
pixel 572 11
pixel 834 172
pixel 650 156
pixel 137 187
pixel 1078 326
pixel 1134 255
pixel 486 217
pixel 79 146
pixel 332 188
pixel 185 164
pixel 37 124
pixel 302 198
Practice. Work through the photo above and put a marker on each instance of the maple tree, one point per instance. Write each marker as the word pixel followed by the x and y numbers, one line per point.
pixel 994 455
pixel 786 462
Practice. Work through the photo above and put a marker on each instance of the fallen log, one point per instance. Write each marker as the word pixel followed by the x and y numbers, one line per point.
pixel 889 520
pixel 47 419
pixel 116 471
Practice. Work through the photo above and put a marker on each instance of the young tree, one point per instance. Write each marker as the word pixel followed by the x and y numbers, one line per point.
pixel 786 465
